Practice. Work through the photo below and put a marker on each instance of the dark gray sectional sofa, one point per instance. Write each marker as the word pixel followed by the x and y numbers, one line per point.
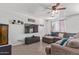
pixel 33 39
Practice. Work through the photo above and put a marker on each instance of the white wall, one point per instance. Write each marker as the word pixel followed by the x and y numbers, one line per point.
pixel 16 31
pixel 47 27
pixel 41 28
pixel 72 24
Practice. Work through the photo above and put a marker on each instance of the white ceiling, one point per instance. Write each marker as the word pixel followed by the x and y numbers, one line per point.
pixel 38 9
pixel 71 8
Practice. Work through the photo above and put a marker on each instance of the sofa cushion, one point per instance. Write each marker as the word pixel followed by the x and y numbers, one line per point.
pixel 67 35
pixel 77 35
pixel 74 43
pixel 72 34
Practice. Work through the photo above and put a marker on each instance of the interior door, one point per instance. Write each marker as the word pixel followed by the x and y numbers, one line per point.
pixel 3 34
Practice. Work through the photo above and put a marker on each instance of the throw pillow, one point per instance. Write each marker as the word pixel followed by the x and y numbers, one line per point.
pixel 60 35
pixel 66 35
pixel 54 33
pixel 63 41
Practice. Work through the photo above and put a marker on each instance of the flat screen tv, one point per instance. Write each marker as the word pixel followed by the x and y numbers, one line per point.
pixel 31 28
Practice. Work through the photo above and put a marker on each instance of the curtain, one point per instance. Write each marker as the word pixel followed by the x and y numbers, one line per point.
pixel 61 26
pixel 58 26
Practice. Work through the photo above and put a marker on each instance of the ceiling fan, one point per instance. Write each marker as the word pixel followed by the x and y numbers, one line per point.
pixel 56 7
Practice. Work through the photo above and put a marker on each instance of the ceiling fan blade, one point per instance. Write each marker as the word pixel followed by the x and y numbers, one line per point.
pixel 57 4
pixel 54 7
pixel 60 8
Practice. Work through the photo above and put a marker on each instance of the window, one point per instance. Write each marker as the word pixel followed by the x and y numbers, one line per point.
pixel 58 26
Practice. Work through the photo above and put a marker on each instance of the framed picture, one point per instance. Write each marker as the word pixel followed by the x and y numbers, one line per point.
pixel 3 34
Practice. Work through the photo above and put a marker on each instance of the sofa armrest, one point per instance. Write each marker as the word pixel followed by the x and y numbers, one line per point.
pixel 61 50
pixel 48 50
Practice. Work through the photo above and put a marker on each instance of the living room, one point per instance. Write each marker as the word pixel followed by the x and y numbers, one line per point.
pixel 32 28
